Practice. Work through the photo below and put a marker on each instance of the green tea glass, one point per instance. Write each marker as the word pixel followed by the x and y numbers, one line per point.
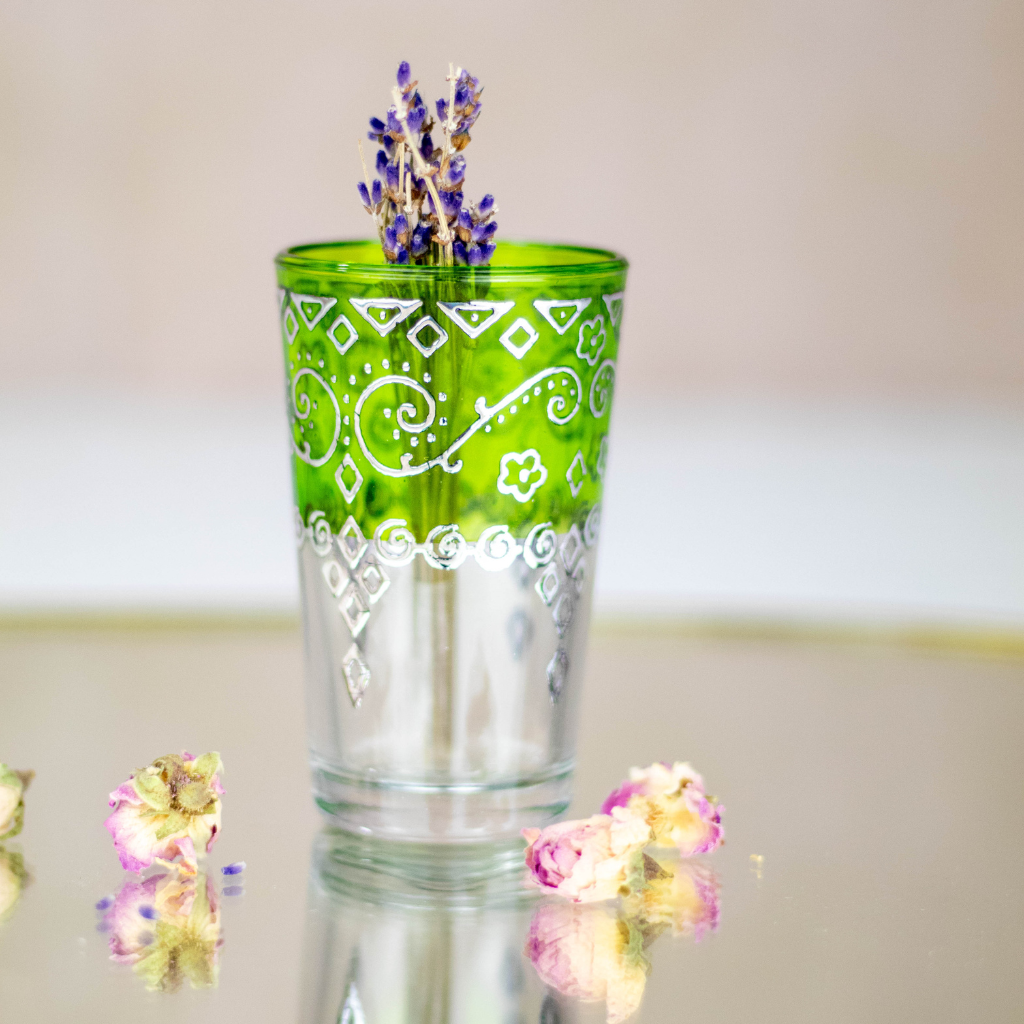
pixel 449 430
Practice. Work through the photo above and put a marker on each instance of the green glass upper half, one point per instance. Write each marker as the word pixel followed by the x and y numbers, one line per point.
pixel 473 396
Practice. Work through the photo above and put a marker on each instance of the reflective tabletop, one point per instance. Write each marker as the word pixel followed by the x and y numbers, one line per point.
pixel 874 820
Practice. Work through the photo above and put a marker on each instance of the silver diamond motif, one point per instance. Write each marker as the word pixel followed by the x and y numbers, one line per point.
pixel 570 474
pixel 339 478
pixel 548 584
pixel 579 577
pixel 291 325
pixel 592 527
pixel 520 350
pixel 335 575
pixel 558 673
pixel 413 335
pixel 354 609
pixel 563 612
pixel 352 542
pixel 571 549
pixel 357 677
pixel 374 579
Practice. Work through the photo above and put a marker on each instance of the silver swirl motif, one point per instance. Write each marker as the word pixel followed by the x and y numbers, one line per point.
pixel 303 406
pixel 394 542
pixel 320 533
pixel 540 545
pixel 404 410
pixel 601 388
pixel 496 548
pixel 592 527
pixel 300 527
pixel 445 547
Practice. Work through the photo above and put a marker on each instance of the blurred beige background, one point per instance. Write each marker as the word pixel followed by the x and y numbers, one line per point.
pixel 819 399
pixel 817 199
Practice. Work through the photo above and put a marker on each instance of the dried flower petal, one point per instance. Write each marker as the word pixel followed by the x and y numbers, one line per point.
pixel 12 800
pixel 364 193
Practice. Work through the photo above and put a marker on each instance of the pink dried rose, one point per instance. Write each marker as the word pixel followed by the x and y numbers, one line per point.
pixel 591 954
pixel 168 810
pixel 588 860
pixel 168 928
pixel 671 799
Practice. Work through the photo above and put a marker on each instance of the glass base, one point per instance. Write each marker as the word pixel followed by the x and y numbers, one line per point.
pixel 423 813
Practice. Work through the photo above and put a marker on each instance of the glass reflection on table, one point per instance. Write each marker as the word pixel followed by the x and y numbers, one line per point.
pixel 427 935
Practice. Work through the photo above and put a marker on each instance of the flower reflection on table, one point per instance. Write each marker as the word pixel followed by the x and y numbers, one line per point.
pixel 597 952
pixel 167 927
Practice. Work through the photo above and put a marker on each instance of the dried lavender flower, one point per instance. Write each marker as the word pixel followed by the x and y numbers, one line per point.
pixel 417 199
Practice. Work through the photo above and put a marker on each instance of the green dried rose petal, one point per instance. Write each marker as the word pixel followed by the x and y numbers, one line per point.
pixel 206 766
pixel 176 822
pixel 153 790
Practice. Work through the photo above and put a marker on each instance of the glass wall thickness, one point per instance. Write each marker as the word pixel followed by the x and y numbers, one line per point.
pixel 449 430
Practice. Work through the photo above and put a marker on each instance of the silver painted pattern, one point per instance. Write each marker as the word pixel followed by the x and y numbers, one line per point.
pixel 613 303
pixel 549 308
pixel 357 678
pixel 556 407
pixel 601 387
pixel 413 335
pixel 475 327
pixel 403 309
pixel 527 463
pixel 558 673
pixel 522 324
pixel 592 340
pixel 348 492
pixel 578 464
pixel 322 304
pixel 353 334
pixel 302 406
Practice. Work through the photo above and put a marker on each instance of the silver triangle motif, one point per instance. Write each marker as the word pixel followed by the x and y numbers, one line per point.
pixel 548 307
pixel 474 327
pixel 319 301
pixel 613 303
pixel 352 1008
pixel 383 325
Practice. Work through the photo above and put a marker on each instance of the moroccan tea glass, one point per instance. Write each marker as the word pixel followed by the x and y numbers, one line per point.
pixel 449 430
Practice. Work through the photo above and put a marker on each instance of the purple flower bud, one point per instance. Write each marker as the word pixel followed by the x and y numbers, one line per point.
pixel 416 118
pixel 427 147
pixel 455 173
pixel 394 125
pixel 392 176
pixel 402 255
pixel 364 193
pixel 420 239
pixel 465 220
pixel 378 192
pixel 459 252
pixel 389 146
pixel 106 903
pixel 382 162
pixel 451 203
pixel 378 126
pixel 442 109
pixel 487 251
pixel 234 890
pixel 149 913
pixel 462 96
pixel 233 869
pixel 390 238
pixel 402 228
pixel 486 205
pixel 403 74
pixel 474 256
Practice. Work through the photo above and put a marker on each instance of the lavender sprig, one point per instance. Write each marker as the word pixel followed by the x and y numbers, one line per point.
pixel 417 200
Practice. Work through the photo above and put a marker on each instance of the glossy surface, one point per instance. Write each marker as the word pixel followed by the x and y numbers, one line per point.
pixel 881 786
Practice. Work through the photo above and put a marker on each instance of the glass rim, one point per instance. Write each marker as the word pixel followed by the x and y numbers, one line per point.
pixel 294 258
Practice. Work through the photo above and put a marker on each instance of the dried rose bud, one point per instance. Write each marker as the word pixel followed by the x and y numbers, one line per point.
pixel 671 799
pixel 587 860
pixel 167 810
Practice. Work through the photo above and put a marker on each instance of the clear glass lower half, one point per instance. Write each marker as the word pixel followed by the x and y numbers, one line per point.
pixel 443 702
